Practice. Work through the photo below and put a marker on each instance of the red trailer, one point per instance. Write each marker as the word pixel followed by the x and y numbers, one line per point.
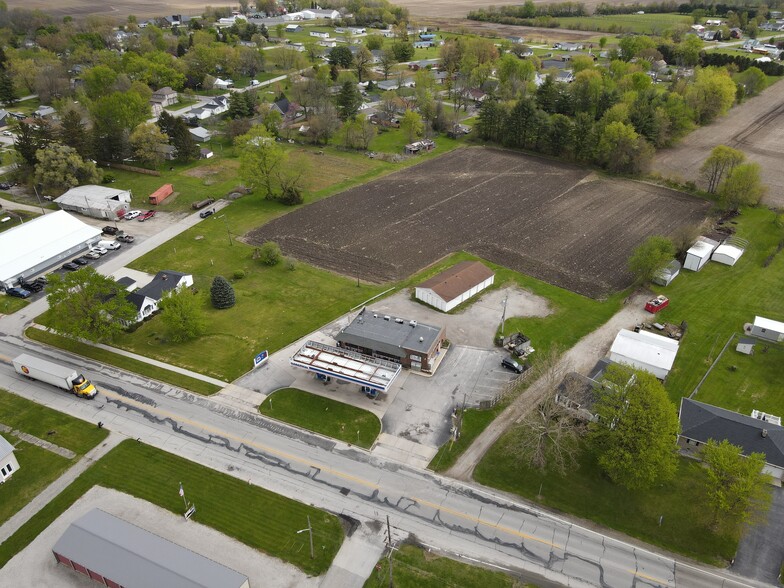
pixel 161 194
pixel 656 304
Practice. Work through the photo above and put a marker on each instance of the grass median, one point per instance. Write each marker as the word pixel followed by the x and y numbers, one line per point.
pixel 127 363
pixel 258 518
pixel 323 415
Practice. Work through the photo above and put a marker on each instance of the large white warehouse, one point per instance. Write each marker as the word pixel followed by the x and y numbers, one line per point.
pixel 41 244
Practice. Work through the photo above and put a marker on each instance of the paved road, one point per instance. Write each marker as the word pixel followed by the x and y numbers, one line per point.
pixel 458 517
pixel 761 549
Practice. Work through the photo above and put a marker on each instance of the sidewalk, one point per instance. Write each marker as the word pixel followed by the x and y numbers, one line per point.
pixel 354 562
pixel 13 524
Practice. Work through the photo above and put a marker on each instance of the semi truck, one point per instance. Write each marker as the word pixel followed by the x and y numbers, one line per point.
pixel 57 375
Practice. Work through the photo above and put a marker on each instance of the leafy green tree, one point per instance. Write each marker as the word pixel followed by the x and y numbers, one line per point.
pixel 636 430
pixel 182 316
pixel 388 61
pixel 348 101
pixel 491 123
pixel 736 484
pixel 650 257
pixel 622 150
pixel 374 42
pixel 720 164
pixel 87 305
pixel 114 116
pixel 60 167
pixel 167 123
pixel 688 51
pixel 403 50
pixel 560 136
pixel 412 126
pixel 362 60
pixel 260 158
pixel 520 123
pixel 340 56
pixel 146 140
pixel 221 293
pixel 711 94
pixel 269 253
pixel 752 80
pixel 742 187
pixel 99 81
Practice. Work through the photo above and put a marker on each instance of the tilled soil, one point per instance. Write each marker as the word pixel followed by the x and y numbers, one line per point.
pixel 553 221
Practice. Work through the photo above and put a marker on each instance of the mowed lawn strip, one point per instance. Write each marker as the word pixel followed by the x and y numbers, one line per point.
pixel 259 518
pixel 415 568
pixel 126 363
pixel 323 415
pixel 716 302
pixel 587 493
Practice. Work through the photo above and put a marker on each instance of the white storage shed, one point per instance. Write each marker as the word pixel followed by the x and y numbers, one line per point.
pixel 730 251
pixel 768 329
pixel 8 463
pixel 645 351
pixel 699 254
pixel 455 285
pixel 666 275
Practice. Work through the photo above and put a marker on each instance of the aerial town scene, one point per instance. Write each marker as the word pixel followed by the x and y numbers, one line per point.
pixel 362 294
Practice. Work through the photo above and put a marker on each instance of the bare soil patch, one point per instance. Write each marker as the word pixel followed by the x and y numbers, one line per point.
pixel 550 220
pixel 756 127
pixel 460 8
pixel 214 173
pixel 533 35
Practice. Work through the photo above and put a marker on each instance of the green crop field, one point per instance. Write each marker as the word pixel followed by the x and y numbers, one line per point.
pixel 649 24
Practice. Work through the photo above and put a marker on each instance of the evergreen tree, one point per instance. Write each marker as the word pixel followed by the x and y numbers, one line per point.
pixel 547 94
pixel 167 122
pixel 73 133
pixel 492 121
pixel 7 92
pixel 221 293
pixel 348 100
pixel 183 141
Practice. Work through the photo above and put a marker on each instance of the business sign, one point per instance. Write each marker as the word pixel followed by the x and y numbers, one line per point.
pixel 260 358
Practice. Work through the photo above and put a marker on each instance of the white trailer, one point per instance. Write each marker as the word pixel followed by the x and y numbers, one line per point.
pixel 57 375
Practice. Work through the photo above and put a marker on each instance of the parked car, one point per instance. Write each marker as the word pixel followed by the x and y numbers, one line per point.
pixel 132 214
pixel 18 292
pixel 206 213
pixel 147 215
pixel 99 250
pixel 92 255
pixel 511 364
pixel 81 261
pixel 70 266
pixel 33 286
pixel 107 245
pixel 5 186
pixel 109 230
pixel 8 134
pixel 126 238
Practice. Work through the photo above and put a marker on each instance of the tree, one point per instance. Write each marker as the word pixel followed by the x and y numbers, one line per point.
pixel 403 50
pixel 651 257
pixel 752 80
pixel 736 484
pixel 182 316
pixel 742 187
pixel 711 94
pixel 7 90
pixel 30 139
pixel 636 429
pixel 388 61
pixel 269 253
pixel 221 293
pixel 73 132
pixel 720 164
pixel 146 140
pixel 260 157
pixel 340 56
pixel 114 116
pixel 183 141
pixel 622 150
pixel 324 125
pixel 362 60
pixel 87 305
pixel 348 101
pixel 59 168
pixel 411 125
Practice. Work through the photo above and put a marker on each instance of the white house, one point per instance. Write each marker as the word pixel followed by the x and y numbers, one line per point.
pixel 455 285
pixel 320 34
pixel 146 299
pixel 645 351
pixel 699 254
pixel 768 329
pixel 8 463
pixel 220 84
pixel 730 251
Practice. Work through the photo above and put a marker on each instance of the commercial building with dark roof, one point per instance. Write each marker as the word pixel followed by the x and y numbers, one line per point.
pixel 455 285
pixel 412 344
pixel 116 553
pixel 701 422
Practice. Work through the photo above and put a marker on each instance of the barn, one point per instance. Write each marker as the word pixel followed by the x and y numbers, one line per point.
pixel 730 251
pixel 455 285
pixel 699 254
pixel 96 201
pixel 41 244
pixel 116 553
pixel 768 329
pixel 645 351
pixel 412 344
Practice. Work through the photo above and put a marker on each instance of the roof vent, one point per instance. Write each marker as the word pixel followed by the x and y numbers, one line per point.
pixel 386 317
pixel 375 315
pixel 399 321
pixel 764 432
pixel 413 323
pixel 421 339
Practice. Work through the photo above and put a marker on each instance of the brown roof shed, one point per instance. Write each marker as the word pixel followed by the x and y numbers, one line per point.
pixel 458 279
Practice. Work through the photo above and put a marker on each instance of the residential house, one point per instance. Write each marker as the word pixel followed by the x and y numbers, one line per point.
pixel 329 43
pixel 477 95
pixel 290 110
pixel 383 119
pixel 565 76
pixel 293 28
pixel 146 299
pixel 8 462
pixel 516 40
pixel 577 393
pixel 554 64
pixel 423 64
pixel 5 118
pixel 767 329
pixel 423 44
pixel 165 97
pixel 568 46
pixel 316 13
pixel 320 34
pixel 440 76
pixel 44 112
pixel 376 55
pixel 220 84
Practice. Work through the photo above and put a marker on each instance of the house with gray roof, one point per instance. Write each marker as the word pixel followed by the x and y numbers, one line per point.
pixel 410 343
pixel 701 422
pixel 146 299
pixel 8 463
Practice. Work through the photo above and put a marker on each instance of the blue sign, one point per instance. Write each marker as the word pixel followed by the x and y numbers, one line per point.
pixel 260 358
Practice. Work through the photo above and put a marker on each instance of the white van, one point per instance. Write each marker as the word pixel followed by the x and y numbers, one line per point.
pixel 109 244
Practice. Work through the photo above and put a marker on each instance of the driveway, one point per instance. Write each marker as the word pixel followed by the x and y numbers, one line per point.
pixel 761 549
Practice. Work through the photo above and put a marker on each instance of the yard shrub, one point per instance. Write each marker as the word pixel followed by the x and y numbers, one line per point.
pixel 269 253
pixel 239 274
pixel 221 293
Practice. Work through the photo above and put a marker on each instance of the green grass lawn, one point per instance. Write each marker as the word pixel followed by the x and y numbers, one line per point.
pixel 323 415
pixel 416 568
pixel 10 304
pixel 474 422
pixel 25 107
pixel 126 363
pixel 182 103
pixel 587 493
pixel 259 518
pixel 650 24
pixel 16 218
pixel 716 302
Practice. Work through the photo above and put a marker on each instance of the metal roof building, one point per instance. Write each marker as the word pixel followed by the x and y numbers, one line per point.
pixel 645 351
pixel 96 201
pixel 455 285
pixel 118 553
pixel 41 244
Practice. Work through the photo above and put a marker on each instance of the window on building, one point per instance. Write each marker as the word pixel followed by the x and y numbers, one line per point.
pixel 10 469
pixel 2 470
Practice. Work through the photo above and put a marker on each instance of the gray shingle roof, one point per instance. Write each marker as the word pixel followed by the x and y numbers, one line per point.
pixel 371 330
pixel 701 422
pixel 162 282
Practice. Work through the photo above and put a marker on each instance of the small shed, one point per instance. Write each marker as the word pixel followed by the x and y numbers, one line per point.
pixel 8 463
pixel 768 329
pixel 666 275
pixel 455 285
pixel 699 254
pixel 730 251
pixel 745 346
pixel 161 194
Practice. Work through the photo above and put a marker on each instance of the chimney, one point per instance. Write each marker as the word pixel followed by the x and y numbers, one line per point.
pixel 764 432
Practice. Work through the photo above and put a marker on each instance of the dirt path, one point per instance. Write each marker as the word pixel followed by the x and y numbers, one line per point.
pixel 580 358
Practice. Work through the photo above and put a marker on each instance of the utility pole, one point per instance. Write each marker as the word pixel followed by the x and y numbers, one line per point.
pixel 389 544
pixel 503 316
pixel 309 529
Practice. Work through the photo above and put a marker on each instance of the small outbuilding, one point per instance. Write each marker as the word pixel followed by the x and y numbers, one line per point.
pixel 666 275
pixel 161 194
pixel 645 351
pixel 699 254
pixel 8 463
pixel 117 553
pixel 96 201
pixel 730 251
pixel 768 329
pixel 745 346
pixel 455 285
